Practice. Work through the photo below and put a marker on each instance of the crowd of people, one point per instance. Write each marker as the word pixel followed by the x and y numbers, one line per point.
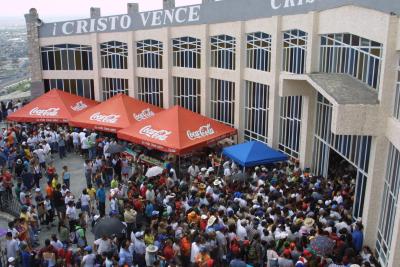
pixel 209 214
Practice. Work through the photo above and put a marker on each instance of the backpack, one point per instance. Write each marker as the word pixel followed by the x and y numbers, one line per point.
pixel 252 252
pixel 235 247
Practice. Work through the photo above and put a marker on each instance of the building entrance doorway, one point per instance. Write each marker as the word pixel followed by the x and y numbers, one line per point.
pixel 339 166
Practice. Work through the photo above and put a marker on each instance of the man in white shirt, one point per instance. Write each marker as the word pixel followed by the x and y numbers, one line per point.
pixel 89 259
pixel 193 171
pixel 75 140
pixel 102 245
pixel 12 246
pixel 41 156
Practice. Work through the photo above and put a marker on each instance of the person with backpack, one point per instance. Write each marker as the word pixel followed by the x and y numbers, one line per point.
pixel 254 251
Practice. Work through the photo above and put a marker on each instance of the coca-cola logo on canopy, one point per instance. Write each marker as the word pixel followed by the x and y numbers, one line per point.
pixel 111 118
pixel 143 115
pixel 50 112
pixel 79 106
pixel 160 135
pixel 202 132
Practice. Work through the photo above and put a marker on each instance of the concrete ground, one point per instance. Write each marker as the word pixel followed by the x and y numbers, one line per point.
pixel 78 183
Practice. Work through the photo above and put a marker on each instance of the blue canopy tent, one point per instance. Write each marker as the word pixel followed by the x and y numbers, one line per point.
pixel 253 153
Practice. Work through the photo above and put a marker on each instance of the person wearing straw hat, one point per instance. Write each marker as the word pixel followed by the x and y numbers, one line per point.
pixel 151 255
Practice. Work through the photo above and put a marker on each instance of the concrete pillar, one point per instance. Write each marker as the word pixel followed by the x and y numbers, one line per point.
pixel 274 99
pixel 132 8
pixel 35 66
pixel 95 12
pixel 132 81
pixel 168 4
pixel 167 66
pixel 239 82
pixel 97 84
pixel 205 79
pixel 307 128
pixel 312 60
pixel 374 188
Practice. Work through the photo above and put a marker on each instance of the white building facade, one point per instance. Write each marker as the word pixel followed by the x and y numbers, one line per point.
pixel 306 77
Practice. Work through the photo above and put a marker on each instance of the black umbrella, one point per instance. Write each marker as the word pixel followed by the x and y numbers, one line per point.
pixel 115 148
pixel 108 227
pixel 240 177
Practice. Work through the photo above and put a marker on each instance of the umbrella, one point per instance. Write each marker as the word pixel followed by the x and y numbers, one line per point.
pixel 322 245
pixel 154 171
pixel 115 148
pixel 108 226
pixel 3 232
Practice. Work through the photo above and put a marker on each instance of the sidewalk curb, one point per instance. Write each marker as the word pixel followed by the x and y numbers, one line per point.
pixel 6 216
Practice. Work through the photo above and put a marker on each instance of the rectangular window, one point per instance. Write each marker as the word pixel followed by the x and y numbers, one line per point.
pixel 294 51
pixel 258 51
pixel 149 54
pixel 256 110
pixel 223 101
pixel 186 52
pixel 223 52
pixel 353 55
pixel 113 86
pixel 114 55
pixel 81 87
pixel 151 91
pixel 67 57
pixel 187 93
pixel 290 125
pixel 389 206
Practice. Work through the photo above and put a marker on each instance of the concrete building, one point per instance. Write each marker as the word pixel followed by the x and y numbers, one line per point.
pixel 320 80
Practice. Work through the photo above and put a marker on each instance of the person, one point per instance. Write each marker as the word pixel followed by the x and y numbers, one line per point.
pixel 102 245
pixel 357 237
pixel 66 176
pixel 125 257
pixel 193 171
pixel 59 202
pixel 72 215
pixel 12 246
pixel 89 259
pixel 203 259
pixel 88 168
pixel 61 145
pixel 101 200
pixel 85 202
pixel 26 256
pixel 130 218
pixel 48 254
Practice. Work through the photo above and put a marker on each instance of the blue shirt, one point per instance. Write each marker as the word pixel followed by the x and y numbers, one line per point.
pixel 358 239
pixel 26 259
pixel 125 257
pixel 101 195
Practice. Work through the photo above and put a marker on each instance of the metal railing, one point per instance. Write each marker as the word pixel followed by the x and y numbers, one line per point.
pixel 9 204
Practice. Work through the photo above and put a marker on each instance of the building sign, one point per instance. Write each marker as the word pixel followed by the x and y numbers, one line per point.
pixel 206 13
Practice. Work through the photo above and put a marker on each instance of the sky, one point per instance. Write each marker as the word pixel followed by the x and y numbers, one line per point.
pixel 53 9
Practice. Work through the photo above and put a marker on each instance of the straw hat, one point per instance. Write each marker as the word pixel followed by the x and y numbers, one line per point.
pixel 202 186
pixel 152 249
pixel 309 222
pixel 204 217
pixel 217 182
pixel 211 221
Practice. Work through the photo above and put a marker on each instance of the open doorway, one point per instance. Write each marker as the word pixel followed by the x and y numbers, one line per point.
pixel 339 166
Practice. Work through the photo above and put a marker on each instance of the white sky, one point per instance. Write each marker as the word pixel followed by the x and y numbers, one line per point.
pixel 78 8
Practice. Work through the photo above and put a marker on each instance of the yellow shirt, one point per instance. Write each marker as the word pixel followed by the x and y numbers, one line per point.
pixel 54 183
pixel 91 192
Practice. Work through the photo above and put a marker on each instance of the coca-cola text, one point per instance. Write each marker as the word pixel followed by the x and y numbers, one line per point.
pixel 112 118
pixel 203 131
pixel 143 115
pixel 50 112
pixel 160 135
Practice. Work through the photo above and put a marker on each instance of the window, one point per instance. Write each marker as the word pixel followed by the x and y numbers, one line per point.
pixel 259 51
pixel 187 93
pixel 81 87
pixel 151 91
pixel 389 206
pixel 353 55
pixel 223 52
pixel 186 52
pixel 294 51
pixel 290 124
pixel 223 101
pixel 113 86
pixel 114 55
pixel 67 57
pixel 256 110
pixel 150 54
pixel 396 112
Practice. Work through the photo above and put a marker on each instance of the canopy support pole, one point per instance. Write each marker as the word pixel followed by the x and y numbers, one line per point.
pixel 219 166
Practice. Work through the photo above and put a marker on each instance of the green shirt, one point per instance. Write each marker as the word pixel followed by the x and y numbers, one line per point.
pixel 114 183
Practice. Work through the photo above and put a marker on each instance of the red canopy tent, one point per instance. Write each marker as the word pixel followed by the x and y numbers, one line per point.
pixel 116 113
pixel 176 130
pixel 54 106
